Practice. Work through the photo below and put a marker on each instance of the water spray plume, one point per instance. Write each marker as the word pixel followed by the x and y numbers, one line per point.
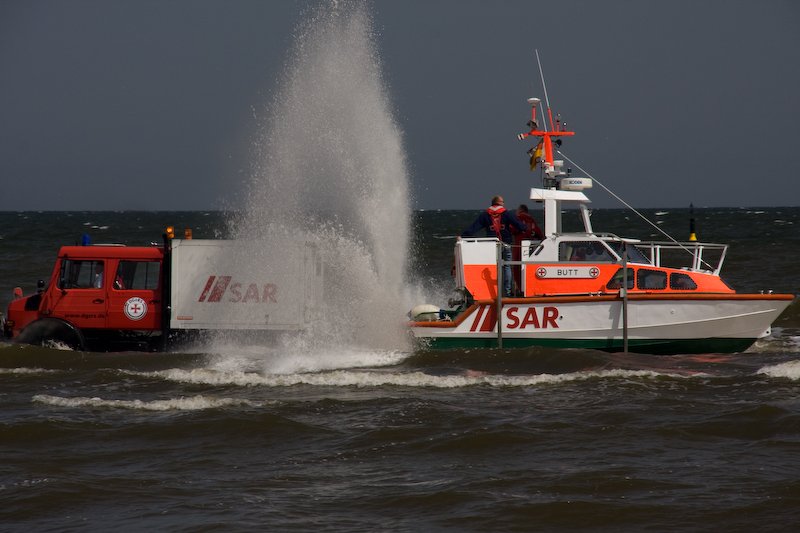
pixel 330 168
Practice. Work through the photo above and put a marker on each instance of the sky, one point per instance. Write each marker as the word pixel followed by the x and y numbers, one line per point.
pixel 154 105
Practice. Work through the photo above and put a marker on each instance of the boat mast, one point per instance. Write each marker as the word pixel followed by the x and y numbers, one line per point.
pixel 557 130
pixel 543 153
pixel 544 88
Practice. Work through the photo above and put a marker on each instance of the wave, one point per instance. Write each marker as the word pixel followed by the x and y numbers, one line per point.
pixel 790 369
pixel 782 341
pixel 297 359
pixel 194 403
pixel 368 378
pixel 26 371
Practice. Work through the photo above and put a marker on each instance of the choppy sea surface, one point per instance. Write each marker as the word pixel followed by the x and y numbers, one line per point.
pixel 342 438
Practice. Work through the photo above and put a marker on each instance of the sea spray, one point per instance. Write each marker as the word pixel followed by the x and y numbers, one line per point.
pixel 330 169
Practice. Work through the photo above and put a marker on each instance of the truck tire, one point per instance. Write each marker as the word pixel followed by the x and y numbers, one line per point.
pixel 43 330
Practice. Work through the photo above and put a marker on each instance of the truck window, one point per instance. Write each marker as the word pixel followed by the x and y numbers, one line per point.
pixel 137 275
pixel 80 274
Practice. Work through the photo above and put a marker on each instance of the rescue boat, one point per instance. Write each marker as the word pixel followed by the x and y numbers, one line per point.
pixel 590 289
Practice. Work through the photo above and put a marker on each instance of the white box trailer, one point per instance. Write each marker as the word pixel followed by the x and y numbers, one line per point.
pixel 270 284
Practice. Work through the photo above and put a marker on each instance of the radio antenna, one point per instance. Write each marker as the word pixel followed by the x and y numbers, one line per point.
pixel 544 87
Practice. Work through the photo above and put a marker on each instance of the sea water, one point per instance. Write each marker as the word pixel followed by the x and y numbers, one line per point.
pixel 344 438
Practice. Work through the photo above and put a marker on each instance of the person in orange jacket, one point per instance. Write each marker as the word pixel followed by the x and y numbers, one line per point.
pixel 498 222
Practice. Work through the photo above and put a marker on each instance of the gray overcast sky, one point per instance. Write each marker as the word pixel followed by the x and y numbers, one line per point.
pixel 152 105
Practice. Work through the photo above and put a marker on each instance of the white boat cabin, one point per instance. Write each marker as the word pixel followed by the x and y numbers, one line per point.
pixel 587 262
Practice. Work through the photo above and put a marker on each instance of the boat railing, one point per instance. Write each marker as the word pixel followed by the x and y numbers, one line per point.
pixel 705 257
pixel 692 255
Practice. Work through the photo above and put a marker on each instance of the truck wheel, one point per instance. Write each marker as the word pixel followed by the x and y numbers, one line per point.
pixel 41 331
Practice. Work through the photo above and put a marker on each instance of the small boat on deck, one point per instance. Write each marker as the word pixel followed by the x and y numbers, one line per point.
pixel 590 289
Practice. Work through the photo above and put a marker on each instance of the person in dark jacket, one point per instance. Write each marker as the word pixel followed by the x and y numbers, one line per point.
pixel 498 223
pixel 532 232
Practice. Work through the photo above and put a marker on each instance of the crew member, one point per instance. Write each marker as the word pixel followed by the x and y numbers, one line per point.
pixel 97 282
pixel 498 223
pixel 532 231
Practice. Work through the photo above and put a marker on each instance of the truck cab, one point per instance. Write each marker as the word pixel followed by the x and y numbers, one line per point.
pixel 98 298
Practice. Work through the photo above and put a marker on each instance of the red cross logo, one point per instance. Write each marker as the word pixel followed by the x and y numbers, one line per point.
pixel 135 308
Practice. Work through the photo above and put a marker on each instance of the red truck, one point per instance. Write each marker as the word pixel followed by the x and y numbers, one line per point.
pixel 115 298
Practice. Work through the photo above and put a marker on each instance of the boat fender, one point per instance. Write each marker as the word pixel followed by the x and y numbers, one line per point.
pixel 424 313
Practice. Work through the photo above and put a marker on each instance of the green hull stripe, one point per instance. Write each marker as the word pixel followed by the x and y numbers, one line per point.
pixel 651 346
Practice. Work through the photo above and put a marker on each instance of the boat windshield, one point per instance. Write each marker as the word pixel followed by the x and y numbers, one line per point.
pixel 635 255
pixel 584 251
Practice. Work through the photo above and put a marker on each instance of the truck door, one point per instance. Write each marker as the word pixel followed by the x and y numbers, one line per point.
pixel 134 296
pixel 82 298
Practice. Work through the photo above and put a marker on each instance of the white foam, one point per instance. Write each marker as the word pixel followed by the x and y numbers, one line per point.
pixel 789 370
pixel 367 378
pixel 779 340
pixel 193 403
pixel 26 371
pixel 56 345
pixel 25 483
pixel 281 361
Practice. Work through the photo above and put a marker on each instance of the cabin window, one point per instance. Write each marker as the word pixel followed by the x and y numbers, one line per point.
pixel 583 251
pixel 81 274
pixel 679 281
pixel 647 279
pixel 137 275
pixel 616 279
